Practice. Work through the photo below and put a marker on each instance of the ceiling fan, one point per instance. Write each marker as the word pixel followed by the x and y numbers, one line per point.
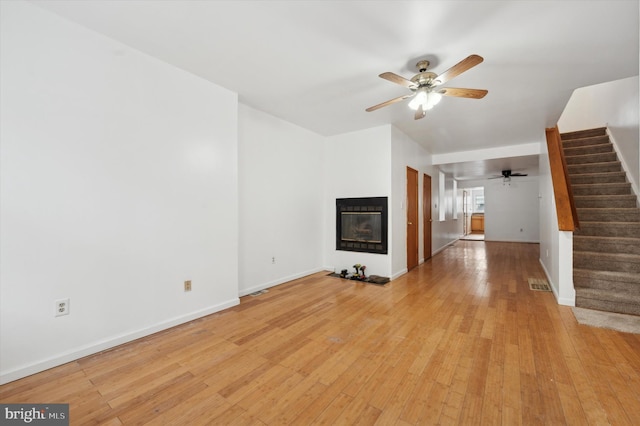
pixel 424 85
pixel 507 175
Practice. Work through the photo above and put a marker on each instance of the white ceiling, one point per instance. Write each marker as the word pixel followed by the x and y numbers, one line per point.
pixel 316 63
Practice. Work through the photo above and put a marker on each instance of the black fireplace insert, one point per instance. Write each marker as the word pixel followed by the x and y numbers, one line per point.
pixel 361 224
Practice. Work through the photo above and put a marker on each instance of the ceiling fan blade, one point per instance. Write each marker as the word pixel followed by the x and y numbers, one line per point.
pixel 462 66
pixel 420 113
pixel 389 102
pixel 464 93
pixel 519 174
pixel 395 78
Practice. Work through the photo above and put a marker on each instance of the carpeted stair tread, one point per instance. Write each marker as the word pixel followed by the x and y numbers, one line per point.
pixel 602 148
pixel 606 247
pixel 604 177
pixel 615 262
pixel 606 244
pixel 609 276
pixel 599 167
pixel 619 188
pixel 609 302
pixel 591 158
pixel 614 282
pixel 609 214
pixel 580 142
pixel 605 201
pixel 609 229
pixel 581 134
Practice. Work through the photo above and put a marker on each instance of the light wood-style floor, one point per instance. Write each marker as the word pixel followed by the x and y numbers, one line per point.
pixel 459 340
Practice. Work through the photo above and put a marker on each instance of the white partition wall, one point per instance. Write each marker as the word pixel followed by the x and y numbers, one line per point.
pixel 118 183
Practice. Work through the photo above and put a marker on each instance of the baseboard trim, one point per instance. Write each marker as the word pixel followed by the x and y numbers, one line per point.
pixel 263 286
pixel 399 274
pixel 551 283
pixel 554 288
pixel 109 343
pixel 445 246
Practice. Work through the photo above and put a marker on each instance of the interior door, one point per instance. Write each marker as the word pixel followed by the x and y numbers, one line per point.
pixel 426 214
pixel 412 218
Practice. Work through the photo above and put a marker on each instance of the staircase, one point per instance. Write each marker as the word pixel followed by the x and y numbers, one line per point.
pixel 606 248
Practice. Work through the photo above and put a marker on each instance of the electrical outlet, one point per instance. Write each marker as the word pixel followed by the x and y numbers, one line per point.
pixel 187 285
pixel 62 307
pixel 273 259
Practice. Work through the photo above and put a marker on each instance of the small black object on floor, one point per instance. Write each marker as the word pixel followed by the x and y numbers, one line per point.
pixel 371 279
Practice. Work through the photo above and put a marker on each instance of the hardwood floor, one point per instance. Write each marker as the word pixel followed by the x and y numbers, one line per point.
pixel 459 340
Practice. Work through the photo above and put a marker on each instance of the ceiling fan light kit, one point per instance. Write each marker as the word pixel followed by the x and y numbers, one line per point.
pixel 423 86
pixel 425 98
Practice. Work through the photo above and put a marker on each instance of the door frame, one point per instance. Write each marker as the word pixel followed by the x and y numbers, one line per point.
pixel 427 217
pixel 413 241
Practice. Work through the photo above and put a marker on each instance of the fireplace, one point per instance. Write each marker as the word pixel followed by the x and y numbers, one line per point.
pixel 361 224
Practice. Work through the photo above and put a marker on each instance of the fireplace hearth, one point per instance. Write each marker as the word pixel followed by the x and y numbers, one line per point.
pixel 361 224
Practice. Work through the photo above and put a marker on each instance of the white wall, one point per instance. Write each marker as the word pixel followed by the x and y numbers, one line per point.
pixel 510 207
pixel 405 153
pixel 556 247
pixel 281 200
pixel 357 164
pixel 452 228
pixel 118 182
pixel 615 105
pixel 512 210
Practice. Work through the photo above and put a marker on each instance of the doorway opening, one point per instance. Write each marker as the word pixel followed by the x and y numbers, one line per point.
pixel 473 213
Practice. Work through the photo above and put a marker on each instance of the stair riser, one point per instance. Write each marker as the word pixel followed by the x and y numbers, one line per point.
pixel 604 215
pixel 603 305
pixel 605 167
pixel 607 246
pixel 605 285
pixel 631 230
pixel 609 263
pixel 589 149
pixel 605 189
pixel 598 178
pixel 575 143
pixel 592 158
pixel 603 203
pixel 581 134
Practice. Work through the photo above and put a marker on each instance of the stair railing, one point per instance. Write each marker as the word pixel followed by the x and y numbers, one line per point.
pixel 565 205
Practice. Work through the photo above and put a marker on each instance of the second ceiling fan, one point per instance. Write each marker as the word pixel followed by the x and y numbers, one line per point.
pixel 424 86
